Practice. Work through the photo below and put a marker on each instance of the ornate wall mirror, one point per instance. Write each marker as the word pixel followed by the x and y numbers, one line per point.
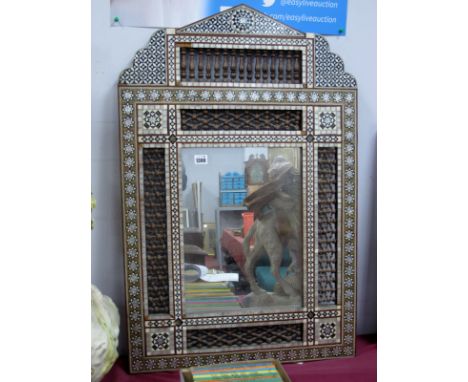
pixel 238 147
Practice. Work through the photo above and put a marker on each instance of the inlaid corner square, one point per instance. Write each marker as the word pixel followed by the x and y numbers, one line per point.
pixel 327 330
pixel 152 119
pixel 327 120
pixel 159 341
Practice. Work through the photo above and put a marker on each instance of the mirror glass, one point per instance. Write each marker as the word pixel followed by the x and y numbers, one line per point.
pixel 242 233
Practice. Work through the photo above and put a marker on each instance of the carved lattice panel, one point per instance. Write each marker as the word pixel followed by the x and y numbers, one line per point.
pixel 244 336
pixel 327 225
pixel 156 230
pixel 235 119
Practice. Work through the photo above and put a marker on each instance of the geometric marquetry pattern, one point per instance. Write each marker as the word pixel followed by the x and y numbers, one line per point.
pixel 328 330
pixel 152 119
pixel 326 98
pixel 240 119
pixel 160 341
pixel 327 225
pixel 156 230
pixel 240 20
pixel 344 100
pixel 244 336
pixel 329 67
pixel 327 120
pixel 149 64
pixel 266 97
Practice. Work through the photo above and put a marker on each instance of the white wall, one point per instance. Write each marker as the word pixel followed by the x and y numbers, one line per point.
pixel 113 50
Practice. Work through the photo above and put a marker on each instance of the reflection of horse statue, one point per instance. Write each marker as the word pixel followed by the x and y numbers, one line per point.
pixel 276 206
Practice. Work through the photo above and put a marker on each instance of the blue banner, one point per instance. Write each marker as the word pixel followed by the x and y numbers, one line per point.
pixel 321 17
pixel 326 17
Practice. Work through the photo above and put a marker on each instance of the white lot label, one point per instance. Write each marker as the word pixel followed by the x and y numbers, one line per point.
pixel 200 159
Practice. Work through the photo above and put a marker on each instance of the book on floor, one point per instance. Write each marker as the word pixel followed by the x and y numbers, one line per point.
pixel 269 370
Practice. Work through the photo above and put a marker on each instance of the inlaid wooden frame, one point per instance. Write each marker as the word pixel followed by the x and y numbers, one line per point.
pixel 151 97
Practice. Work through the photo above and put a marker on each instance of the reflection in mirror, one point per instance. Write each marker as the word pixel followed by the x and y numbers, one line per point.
pixel 242 232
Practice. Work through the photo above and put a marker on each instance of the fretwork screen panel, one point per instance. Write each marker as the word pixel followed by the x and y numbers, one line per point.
pixel 327 225
pixel 156 230
pixel 244 336
pixel 240 119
